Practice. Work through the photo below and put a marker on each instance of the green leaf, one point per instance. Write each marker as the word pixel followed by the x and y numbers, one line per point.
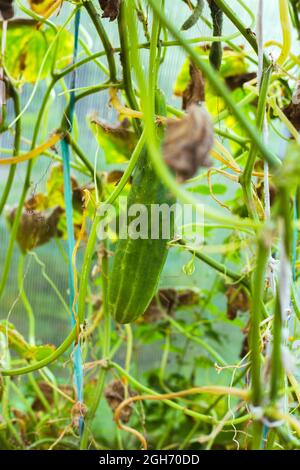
pixel 15 340
pixel 26 49
pixel 18 343
pixel 117 142
pixel 55 186
pixel 41 352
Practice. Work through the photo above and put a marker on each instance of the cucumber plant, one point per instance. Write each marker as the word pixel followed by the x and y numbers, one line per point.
pixel 215 347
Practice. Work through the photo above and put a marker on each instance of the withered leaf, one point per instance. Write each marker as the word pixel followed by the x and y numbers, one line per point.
pixel 165 304
pixel 237 81
pixel 195 92
pixel 47 391
pixel 36 227
pixel 187 298
pixel 188 142
pixel 166 301
pixel 245 347
pixel 78 411
pixel 111 8
pixel 114 176
pixel 259 188
pixel 237 300
pixel 115 394
pixel 6 9
pixel 117 141
pixel 292 112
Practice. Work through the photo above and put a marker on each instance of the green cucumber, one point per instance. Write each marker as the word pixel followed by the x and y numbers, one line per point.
pixel 138 263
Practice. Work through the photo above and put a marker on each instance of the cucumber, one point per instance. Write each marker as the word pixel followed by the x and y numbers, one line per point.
pixel 138 263
pixel 216 51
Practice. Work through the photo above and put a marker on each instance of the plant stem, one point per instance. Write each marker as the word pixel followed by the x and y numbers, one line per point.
pixel 28 308
pixel 89 6
pixel 39 393
pixel 84 160
pixel 258 285
pixel 246 178
pixel 201 417
pixel 248 34
pixel 296 15
pixel 105 354
pixel 221 268
pixel 125 59
pixel 16 147
pixel 197 340
pixel 6 413
pixel 277 366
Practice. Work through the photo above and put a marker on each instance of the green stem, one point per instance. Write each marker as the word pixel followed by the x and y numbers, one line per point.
pixel 23 296
pixel 201 417
pixel 91 10
pixel 24 400
pixel 258 284
pixel 79 152
pixel 105 354
pixel 221 268
pixel 257 433
pixel 246 177
pixel 16 147
pixel 197 340
pixel 125 58
pixel 277 367
pixel 154 56
pixel 129 347
pixel 90 91
pixel 248 34
pixel 6 412
pixel 295 5
pixel 39 393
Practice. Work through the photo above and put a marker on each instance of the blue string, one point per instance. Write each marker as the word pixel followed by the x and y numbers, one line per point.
pixel 77 355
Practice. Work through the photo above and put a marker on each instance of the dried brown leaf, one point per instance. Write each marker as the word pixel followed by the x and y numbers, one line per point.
pixel 115 394
pixel 292 112
pixel 195 92
pixel 6 9
pixel 111 8
pixel 47 391
pixel 188 142
pixel 237 301
pixel 114 176
pixel 167 302
pixel 36 227
pixel 237 81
